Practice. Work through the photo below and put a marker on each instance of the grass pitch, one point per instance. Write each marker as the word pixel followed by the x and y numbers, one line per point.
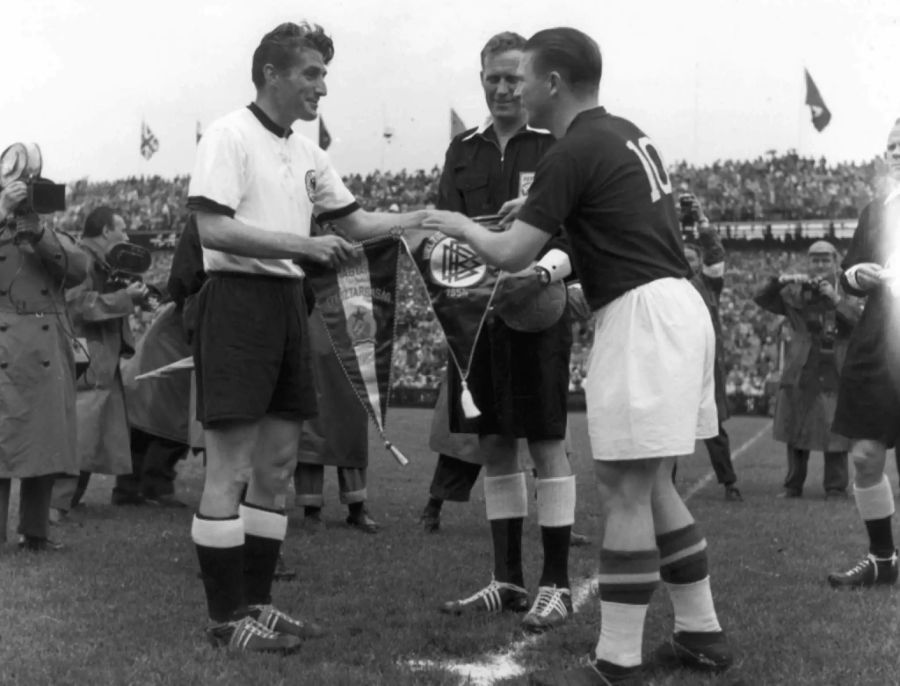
pixel 122 604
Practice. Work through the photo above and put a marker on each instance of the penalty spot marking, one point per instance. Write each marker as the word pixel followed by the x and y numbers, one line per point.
pixel 505 664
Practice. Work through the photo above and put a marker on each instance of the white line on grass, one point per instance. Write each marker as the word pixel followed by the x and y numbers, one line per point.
pixel 505 664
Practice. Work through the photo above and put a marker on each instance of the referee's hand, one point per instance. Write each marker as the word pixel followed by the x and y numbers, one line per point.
pixel 331 251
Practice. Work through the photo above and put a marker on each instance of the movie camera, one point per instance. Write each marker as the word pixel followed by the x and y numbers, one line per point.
pixel 127 264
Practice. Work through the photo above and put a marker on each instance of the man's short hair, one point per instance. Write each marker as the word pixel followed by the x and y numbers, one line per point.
pixel 575 55
pixel 502 42
pixel 98 220
pixel 279 47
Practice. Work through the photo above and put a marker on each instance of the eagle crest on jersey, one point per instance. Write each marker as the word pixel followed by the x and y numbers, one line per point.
pixel 311 185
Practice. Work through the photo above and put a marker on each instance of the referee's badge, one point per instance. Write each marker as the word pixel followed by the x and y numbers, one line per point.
pixel 453 264
pixel 311 185
pixel 525 181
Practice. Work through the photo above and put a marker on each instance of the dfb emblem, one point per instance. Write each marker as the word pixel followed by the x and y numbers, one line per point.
pixel 525 181
pixel 453 264
pixel 311 185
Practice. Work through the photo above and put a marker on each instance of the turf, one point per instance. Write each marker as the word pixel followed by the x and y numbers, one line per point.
pixel 122 604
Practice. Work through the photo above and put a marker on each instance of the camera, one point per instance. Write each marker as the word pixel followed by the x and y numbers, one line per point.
pixel 686 214
pixel 127 263
pixel 23 162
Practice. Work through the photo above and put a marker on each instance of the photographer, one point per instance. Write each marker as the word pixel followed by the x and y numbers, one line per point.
pixel 707 261
pixel 100 315
pixel 821 317
pixel 37 365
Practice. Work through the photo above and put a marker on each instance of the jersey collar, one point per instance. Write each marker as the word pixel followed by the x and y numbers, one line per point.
pixel 481 130
pixel 267 122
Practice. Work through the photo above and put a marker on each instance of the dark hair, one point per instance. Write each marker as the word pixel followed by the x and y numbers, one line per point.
pixel 279 47
pixel 502 42
pixel 98 220
pixel 575 55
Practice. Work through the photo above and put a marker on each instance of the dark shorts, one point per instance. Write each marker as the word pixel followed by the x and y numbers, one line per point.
pixel 251 350
pixel 519 381
pixel 868 409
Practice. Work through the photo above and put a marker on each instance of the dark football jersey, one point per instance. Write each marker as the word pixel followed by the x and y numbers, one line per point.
pixel 606 183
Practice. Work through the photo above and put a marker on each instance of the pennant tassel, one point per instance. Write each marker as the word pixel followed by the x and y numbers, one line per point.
pixel 470 409
pixel 395 451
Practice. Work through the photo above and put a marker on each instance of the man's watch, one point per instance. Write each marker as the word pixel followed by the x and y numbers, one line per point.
pixel 543 275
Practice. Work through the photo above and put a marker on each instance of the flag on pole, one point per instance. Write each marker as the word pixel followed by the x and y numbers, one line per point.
pixel 456 123
pixel 358 305
pixel 820 113
pixel 149 142
pixel 324 136
pixel 199 132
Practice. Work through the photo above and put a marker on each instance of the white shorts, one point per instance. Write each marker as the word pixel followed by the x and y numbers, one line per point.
pixel 649 388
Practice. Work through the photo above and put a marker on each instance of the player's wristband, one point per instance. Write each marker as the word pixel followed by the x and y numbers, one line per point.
pixel 556 263
pixel 850 275
pixel 543 274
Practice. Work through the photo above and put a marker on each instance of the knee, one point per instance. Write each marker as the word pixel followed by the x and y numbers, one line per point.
pixel 626 484
pixel 868 461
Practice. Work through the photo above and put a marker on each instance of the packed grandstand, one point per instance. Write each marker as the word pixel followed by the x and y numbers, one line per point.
pixel 750 195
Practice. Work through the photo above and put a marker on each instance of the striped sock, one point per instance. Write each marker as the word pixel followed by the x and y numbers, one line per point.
pixel 685 570
pixel 627 581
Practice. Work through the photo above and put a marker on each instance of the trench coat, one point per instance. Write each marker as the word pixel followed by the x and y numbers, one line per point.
pixel 37 367
pixel 102 320
pixel 161 405
pixel 807 395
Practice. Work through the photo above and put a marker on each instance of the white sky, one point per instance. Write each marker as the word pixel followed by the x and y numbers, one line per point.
pixel 706 79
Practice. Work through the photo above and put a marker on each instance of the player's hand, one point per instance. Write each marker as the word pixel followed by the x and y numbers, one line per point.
pixel 514 291
pixel 331 250
pixel 510 210
pixel 579 309
pixel 869 275
pixel 11 196
pixel 452 224
pixel 137 291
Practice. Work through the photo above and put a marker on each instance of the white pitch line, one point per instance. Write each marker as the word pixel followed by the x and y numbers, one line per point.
pixel 505 664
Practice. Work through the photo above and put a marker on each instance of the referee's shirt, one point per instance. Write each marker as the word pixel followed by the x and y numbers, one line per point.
pixel 605 182
pixel 267 177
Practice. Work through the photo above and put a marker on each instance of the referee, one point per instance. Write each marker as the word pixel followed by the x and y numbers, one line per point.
pixel 256 187
pixel 649 388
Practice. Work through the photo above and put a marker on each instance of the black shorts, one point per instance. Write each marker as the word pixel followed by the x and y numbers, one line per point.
pixel 868 409
pixel 251 350
pixel 519 381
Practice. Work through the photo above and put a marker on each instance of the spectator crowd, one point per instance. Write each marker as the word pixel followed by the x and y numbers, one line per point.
pixel 772 187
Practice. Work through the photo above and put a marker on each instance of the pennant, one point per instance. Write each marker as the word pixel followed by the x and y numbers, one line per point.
pixel 456 124
pixel 324 136
pixel 149 142
pixel 357 303
pixel 460 287
pixel 820 113
pixel 199 133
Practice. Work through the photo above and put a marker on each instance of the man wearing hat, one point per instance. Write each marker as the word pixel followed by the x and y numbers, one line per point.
pixel 868 407
pixel 821 317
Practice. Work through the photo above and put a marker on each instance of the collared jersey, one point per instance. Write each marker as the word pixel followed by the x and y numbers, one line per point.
pixel 268 178
pixel 604 180
pixel 478 178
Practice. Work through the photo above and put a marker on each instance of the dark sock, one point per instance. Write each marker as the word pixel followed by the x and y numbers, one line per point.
pixel 356 509
pixel 311 511
pixel 260 560
pixel 506 535
pixel 881 537
pixel 222 571
pixel 434 504
pixel 556 555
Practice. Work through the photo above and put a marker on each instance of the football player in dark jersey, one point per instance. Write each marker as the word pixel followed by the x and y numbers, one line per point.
pixel 868 406
pixel 649 388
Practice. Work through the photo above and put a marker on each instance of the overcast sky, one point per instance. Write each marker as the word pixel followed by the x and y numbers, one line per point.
pixel 706 79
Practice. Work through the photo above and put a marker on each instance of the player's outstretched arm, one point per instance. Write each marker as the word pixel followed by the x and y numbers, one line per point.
pixel 220 232
pixel 511 250
pixel 361 224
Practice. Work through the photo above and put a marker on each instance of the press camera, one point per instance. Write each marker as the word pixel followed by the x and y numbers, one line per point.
pixel 23 162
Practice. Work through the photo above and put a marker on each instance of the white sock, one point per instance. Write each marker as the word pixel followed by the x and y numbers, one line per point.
pixel 693 605
pixel 621 633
